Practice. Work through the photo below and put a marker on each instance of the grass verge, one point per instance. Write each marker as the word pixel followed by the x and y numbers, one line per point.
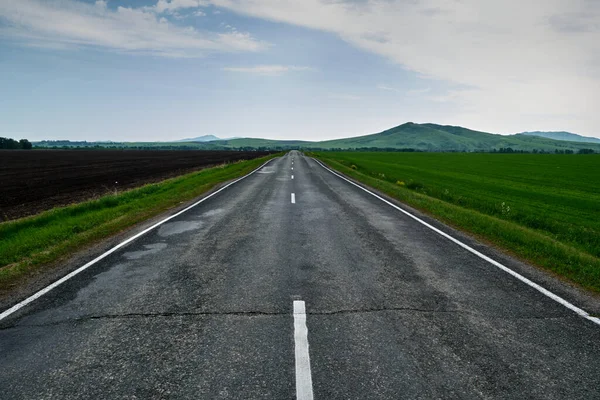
pixel 536 246
pixel 29 244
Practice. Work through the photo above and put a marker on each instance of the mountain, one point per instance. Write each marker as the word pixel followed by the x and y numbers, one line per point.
pixel 568 136
pixel 423 137
pixel 205 138
pixel 427 137
pixel 270 143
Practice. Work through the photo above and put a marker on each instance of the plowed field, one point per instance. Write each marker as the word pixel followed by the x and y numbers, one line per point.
pixel 34 181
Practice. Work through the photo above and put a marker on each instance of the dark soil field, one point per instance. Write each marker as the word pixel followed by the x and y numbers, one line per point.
pixel 34 181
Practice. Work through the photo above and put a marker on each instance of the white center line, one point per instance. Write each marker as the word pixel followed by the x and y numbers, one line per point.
pixel 292 168
pixel 292 176
pixel 304 389
pixel 293 198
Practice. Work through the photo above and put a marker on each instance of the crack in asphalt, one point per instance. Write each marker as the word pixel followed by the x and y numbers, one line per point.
pixel 384 309
pixel 263 313
pixel 149 315
pixel 442 311
pixel 215 313
pixel 220 313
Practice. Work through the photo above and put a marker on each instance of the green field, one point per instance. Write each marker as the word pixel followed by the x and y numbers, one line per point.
pixel 30 244
pixel 544 208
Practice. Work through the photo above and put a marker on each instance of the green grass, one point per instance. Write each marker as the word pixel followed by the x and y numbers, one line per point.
pixel 543 208
pixel 27 245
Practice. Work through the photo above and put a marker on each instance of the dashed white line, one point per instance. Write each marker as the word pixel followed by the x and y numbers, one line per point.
pixel 292 176
pixel 293 198
pixel 495 263
pixel 65 278
pixel 304 389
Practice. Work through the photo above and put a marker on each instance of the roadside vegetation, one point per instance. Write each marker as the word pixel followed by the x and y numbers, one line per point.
pixel 543 208
pixel 29 244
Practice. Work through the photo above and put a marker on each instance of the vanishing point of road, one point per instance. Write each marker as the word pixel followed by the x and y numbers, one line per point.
pixel 295 283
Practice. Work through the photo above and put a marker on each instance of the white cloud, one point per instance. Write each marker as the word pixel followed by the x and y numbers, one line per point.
pixel 388 88
pixel 271 70
pixel 68 23
pixel 342 96
pixel 172 5
pixel 411 92
pixel 414 92
pixel 513 58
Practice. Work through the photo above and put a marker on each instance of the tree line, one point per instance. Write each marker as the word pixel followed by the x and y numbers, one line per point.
pixel 510 150
pixel 7 143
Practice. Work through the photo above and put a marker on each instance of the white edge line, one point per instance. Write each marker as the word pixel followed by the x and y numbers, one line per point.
pixel 304 389
pixel 65 278
pixel 520 277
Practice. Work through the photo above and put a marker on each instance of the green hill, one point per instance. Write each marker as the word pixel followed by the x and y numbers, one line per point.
pixel 256 143
pixel 568 136
pixel 424 137
pixel 419 137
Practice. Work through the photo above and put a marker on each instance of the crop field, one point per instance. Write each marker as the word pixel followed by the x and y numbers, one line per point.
pixel 554 199
pixel 34 245
pixel 34 181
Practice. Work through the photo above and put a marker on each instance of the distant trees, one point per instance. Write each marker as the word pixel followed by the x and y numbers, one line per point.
pixel 586 151
pixel 508 150
pixel 7 143
pixel 536 151
pixel 25 144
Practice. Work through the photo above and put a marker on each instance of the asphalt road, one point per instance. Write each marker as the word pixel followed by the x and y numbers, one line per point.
pixel 202 307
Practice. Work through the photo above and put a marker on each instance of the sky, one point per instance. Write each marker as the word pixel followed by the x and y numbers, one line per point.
pixel 160 70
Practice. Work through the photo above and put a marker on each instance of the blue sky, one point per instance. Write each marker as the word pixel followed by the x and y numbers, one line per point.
pixel 318 69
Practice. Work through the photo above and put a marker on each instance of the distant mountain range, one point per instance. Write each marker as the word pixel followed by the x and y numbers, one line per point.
pixel 408 136
pixel 566 136
pixel 205 138
pixel 422 137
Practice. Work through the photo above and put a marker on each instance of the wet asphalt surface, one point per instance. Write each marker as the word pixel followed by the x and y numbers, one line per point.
pixel 201 307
